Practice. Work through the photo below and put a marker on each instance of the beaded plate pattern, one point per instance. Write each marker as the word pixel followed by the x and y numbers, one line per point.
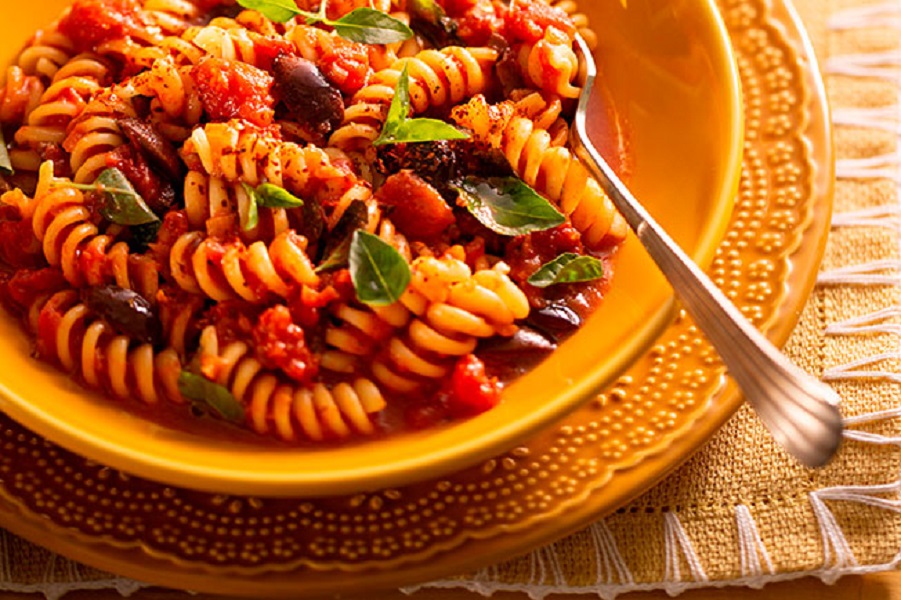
pixel 509 502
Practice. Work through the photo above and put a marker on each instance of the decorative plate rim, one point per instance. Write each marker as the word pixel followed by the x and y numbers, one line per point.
pixel 137 559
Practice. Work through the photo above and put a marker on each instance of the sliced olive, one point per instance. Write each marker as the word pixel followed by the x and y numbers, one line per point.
pixel 126 310
pixel 555 320
pixel 307 94
pixel 159 150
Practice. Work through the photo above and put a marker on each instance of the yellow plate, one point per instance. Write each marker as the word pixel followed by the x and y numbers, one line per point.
pixel 668 403
pixel 670 79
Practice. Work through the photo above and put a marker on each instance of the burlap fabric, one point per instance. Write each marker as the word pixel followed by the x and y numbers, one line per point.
pixel 741 512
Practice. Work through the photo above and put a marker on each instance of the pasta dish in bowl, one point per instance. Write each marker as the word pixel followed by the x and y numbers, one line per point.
pixel 299 248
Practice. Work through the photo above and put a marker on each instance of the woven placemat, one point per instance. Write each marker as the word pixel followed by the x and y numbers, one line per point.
pixel 741 512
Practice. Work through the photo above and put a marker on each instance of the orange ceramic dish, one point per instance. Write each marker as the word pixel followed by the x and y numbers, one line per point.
pixel 670 81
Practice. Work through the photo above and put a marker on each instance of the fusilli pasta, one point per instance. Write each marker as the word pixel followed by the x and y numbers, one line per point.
pixel 272 218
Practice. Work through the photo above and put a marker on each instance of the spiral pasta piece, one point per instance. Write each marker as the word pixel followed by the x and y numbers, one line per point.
pixel 437 78
pixel 179 314
pixel 560 176
pixel 544 110
pixel 20 95
pixel 48 50
pixel 291 411
pixel 230 270
pixel 216 204
pixel 95 133
pixel 171 16
pixel 175 105
pixel 453 308
pixel 579 19
pixel 81 342
pixel 72 87
pixel 71 241
pixel 553 170
pixel 551 64
pixel 236 151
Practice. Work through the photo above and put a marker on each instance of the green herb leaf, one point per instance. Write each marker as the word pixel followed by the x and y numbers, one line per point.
pixel 337 249
pixel 122 204
pixel 6 166
pixel 199 388
pixel 398 110
pixel 427 10
pixel 279 11
pixel 271 196
pixel 371 26
pixel 364 25
pixel 379 273
pixel 336 259
pixel 430 21
pixel 143 235
pixel 508 206
pixel 567 268
pixel 421 130
pixel 400 128
pixel 250 218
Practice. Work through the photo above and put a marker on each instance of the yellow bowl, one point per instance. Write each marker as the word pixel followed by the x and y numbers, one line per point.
pixel 669 76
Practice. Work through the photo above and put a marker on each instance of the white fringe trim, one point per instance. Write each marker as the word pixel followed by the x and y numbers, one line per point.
pixel 877 272
pixel 753 552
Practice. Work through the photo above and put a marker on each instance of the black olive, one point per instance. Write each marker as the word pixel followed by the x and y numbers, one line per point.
pixel 126 310
pixel 555 320
pixel 150 142
pixel 518 353
pixel 307 94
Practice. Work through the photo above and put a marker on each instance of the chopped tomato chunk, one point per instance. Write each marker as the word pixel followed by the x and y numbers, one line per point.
pixel 231 89
pixel 471 391
pixel 92 22
pixel 267 48
pixel 280 344
pixel 419 210
pixel 532 18
pixel 478 24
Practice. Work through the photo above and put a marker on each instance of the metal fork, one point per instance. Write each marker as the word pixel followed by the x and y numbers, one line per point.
pixel 800 411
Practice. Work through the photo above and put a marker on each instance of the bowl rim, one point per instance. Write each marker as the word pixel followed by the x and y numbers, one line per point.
pixel 410 468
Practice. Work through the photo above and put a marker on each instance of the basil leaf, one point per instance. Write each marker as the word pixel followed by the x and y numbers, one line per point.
pixel 337 249
pixel 399 128
pixel 271 196
pixel 508 206
pixel 567 268
pixel 122 204
pixel 213 395
pixel 371 26
pixel 430 21
pixel 143 235
pixel 421 130
pixel 337 258
pixel 6 166
pixel 279 11
pixel 398 110
pixel 251 218
pixel 379 273
pixel 427 10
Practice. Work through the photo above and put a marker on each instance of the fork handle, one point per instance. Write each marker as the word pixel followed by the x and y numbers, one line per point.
pixel 800 411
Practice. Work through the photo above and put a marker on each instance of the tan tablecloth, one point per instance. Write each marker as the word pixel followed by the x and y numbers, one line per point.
pixel 738 512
